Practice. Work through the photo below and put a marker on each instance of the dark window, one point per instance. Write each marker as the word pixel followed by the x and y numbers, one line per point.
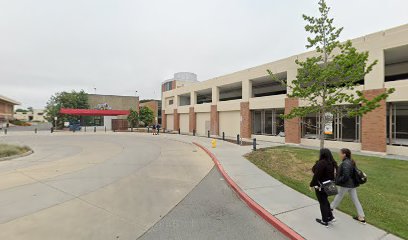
pixel 397 124
pixel 268 122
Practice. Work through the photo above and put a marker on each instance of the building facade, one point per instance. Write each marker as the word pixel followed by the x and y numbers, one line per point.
pixel 109 102
pixel 6 109
pixel 37 115
pixel 249 103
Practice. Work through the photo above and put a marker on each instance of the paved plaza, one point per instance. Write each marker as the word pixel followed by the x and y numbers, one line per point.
pixel 118 186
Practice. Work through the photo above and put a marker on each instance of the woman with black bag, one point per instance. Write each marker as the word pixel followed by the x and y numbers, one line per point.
pixel 323 173
pixel 347 182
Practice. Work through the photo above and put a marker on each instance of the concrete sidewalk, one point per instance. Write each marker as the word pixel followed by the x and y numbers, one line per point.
pixel 292 208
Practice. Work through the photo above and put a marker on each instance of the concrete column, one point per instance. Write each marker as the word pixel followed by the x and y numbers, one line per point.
pixel 374 125
pixel 291 74
pixel 164 120
pixel 245 121
pixel 375 79
pixel 176 117
pixel 214 128
pixel 215 95
pixel 292 126
pixel 192 120
pixel 246 90
pixel 193 98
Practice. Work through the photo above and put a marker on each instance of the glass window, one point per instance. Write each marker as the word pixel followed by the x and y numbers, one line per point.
pixel 257 122
pixel 268 122
pixel 279 123
pixel 338 126
pixel 350 128
pixel 398 127
pixel 310 126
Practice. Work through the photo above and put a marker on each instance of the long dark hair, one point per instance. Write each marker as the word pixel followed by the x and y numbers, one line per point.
pixel 347 152
pixel 326 155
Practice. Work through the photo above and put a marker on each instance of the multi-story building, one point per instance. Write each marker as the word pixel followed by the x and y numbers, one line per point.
pixel 248 102
pixel 6 109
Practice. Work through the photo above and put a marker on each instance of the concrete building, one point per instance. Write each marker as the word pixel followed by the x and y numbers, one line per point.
pixel 113 102
pixel 110 102
pixel 6 109
pixel 37 115
pixel 248 103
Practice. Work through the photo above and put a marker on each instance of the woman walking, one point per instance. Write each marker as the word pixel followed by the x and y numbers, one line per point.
pixel 346 183
pixel 324 170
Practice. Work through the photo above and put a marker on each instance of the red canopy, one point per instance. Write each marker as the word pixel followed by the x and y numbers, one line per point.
pixel 93 112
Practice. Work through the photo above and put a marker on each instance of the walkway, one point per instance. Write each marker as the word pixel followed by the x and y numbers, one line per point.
pixel 289 206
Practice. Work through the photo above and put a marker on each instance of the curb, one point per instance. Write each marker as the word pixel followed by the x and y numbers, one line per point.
pixel 16 156
pixel 281 227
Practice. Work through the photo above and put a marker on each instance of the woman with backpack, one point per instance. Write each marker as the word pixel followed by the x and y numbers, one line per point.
pixel 347 182
pixel 324 172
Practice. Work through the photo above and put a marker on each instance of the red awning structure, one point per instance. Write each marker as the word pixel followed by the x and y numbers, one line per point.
pixel 93 112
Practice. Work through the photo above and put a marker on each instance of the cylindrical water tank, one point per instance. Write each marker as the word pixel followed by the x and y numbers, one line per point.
pixel 185 76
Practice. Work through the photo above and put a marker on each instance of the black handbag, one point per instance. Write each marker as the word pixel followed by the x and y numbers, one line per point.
pixel 329 187
pixel 359 176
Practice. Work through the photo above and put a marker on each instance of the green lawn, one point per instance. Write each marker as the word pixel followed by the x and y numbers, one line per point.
pixel 384 197
pixel 7 150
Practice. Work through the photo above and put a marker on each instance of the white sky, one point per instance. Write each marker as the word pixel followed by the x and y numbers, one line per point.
pixel 120 46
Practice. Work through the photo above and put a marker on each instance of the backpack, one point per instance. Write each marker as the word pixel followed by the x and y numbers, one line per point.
pixel 359 176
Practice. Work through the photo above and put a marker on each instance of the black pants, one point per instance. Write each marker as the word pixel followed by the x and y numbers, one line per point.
pixel 322 197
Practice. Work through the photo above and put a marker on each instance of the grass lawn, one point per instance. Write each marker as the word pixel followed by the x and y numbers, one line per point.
pixel 7 150
pixel 384 197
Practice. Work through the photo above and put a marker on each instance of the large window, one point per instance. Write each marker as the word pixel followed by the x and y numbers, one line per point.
pixel 397 122
pixel 268 122
pixel 339 127
pixel 168 86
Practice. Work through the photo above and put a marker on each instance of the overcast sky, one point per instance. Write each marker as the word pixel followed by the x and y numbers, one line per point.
pixel 123 46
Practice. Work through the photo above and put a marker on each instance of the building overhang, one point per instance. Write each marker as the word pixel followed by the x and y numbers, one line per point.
pixel 9 100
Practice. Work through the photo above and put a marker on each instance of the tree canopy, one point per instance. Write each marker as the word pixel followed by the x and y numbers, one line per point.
pixel 133 118
pixel 146 115
pixel 73 99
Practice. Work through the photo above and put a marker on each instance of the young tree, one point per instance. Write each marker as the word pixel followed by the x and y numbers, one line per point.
pixel 133 118
pixel 146 116
pixel 327 82
pixel 60 100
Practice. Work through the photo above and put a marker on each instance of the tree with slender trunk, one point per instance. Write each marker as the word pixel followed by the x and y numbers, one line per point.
pixel 133 118
pixel 328 81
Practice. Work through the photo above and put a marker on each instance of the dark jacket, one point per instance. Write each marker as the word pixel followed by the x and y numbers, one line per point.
pixel 345 176
pixel 322 171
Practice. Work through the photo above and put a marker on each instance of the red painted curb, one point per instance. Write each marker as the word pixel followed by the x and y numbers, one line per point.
pixel 281 227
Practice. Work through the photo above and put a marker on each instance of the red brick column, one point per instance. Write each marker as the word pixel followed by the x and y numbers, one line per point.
pixel 176 120
pixel 374 125
pixel 192 120
pixel 164 120
pixel 292 126
pixel 214 128
pixel 245 121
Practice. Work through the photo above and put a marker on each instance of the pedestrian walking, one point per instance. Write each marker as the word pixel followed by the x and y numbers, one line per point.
pixel 154 129
pixel 324 172
pixel 158 129
pixel 347 183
